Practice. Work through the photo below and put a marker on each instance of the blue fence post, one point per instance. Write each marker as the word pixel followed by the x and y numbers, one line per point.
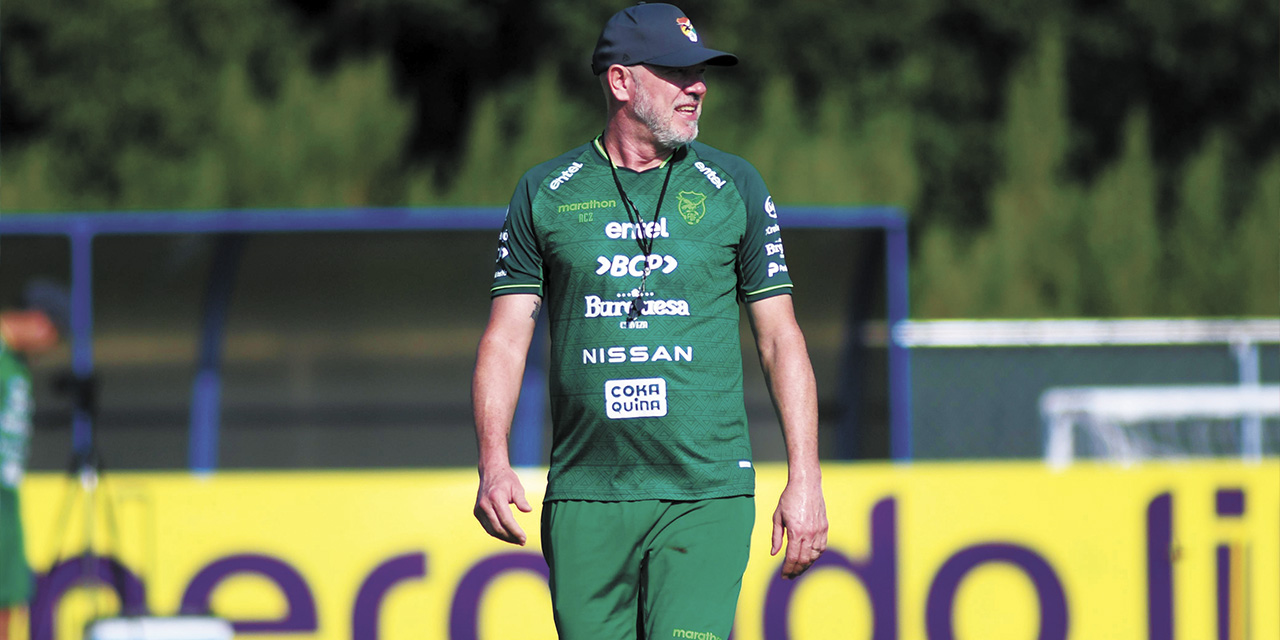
pixel 81 236
pixel 896 256
pixel 206 391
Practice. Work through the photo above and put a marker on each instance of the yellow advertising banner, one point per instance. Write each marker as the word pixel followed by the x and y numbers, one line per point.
pixel 938 551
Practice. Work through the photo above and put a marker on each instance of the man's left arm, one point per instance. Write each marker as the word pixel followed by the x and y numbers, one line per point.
pixel 802 512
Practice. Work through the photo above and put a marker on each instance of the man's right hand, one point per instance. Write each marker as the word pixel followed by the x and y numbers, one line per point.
pixel 499 488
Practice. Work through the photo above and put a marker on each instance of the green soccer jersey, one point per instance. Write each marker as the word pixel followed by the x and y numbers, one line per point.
pixel 15 433
pixel 650 408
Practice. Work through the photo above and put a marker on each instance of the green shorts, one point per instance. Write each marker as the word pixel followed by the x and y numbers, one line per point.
pixel 647 568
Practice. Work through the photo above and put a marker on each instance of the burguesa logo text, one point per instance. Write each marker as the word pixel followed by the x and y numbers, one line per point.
pixel 600 308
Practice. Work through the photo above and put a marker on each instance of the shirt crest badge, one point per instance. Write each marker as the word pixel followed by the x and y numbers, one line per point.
pixel 692 206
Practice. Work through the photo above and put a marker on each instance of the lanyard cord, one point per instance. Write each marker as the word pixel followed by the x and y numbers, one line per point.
pixel 643 237
pixel 644 234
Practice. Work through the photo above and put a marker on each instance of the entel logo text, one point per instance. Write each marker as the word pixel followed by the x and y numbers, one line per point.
pixel 712 177
pixel 565 175
pixel 621 230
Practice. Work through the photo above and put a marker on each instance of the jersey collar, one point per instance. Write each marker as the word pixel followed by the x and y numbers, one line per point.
pixel 598 145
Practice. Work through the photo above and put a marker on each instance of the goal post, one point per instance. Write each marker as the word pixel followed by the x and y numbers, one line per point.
pixel 1127 424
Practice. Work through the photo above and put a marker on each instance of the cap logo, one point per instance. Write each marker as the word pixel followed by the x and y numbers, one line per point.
pixel 687 29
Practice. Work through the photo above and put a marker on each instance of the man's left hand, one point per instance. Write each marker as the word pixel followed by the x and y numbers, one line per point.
pixel 802 516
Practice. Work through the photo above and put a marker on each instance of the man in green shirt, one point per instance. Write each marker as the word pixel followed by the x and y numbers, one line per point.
pixel 641 243
pixel 32 329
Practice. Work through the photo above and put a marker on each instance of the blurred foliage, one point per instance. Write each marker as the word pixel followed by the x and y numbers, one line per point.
pixel 1059 157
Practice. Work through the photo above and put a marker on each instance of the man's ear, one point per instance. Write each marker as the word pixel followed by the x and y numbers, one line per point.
pixel 620 82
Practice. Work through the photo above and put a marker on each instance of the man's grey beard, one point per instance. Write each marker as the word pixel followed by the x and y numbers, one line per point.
pixel 664 134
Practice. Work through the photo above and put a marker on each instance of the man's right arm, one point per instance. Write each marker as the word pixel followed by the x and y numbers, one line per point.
pixel 495 389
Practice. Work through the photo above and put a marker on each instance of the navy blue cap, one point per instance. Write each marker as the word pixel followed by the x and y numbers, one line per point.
pixel 51 298
pixel 657 34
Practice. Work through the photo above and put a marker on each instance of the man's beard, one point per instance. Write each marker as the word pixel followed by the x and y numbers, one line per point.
pixel 664 133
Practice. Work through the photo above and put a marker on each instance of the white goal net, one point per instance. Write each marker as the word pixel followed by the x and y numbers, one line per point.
pixel 1127 424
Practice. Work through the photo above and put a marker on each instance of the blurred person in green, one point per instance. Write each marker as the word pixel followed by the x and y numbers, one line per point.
pixel 31 328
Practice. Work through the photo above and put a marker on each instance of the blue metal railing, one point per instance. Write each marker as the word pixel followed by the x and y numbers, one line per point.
pixel 81 228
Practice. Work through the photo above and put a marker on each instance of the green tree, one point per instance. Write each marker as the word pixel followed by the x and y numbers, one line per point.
pixel 1122 267
pixel 1257 277
pixel 101 83
pixel 1027 262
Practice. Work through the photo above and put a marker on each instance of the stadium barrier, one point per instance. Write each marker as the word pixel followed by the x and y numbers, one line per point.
pixel 81 229
pixel 938 551
pixel 990 375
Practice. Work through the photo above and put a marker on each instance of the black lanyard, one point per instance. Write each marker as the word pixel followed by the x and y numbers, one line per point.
pixel 644 234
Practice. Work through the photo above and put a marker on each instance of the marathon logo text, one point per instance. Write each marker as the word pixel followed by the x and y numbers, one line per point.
pixel 565 175
pixel 694 635
pixel 598 308
pixel 712 177
pixel 635 398
pixel 583 206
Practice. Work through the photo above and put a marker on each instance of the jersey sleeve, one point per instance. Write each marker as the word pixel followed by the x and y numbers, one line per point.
pixel 519 261
pixel 15 427
pixel 762 264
